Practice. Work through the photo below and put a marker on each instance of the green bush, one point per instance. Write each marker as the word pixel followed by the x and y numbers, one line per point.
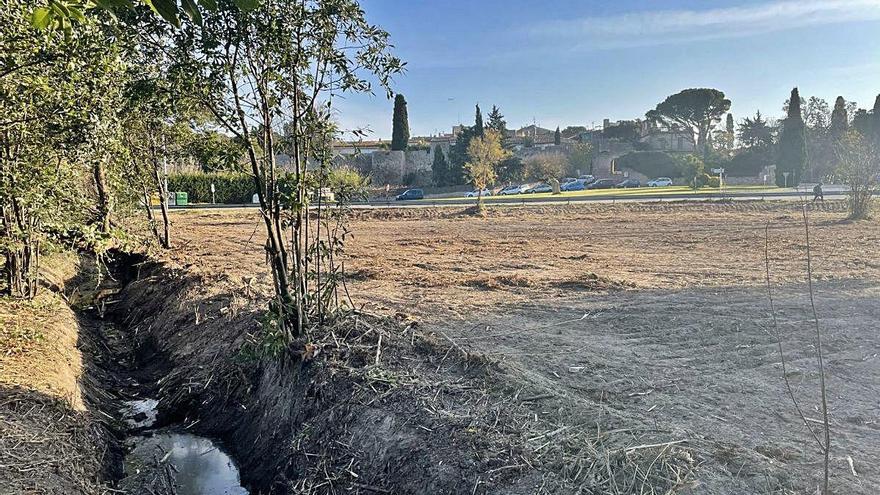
pixel 749 163
pixel 702 180
pixel 240 189
pixel 649 163
pixel 714 182
pixel 229 188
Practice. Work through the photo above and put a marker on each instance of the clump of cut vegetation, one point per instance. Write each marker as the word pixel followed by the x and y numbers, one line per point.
pixel 498 282
pixel 593 282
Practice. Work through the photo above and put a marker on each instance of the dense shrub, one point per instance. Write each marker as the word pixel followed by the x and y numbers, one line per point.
pixel 702 180
pixel 749 163
pixel 714 182
pixel 545 166
pixel 649 163
pixel 230 188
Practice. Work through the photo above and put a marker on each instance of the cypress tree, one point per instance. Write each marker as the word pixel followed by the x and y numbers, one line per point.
pixel 440 168
pixel 876 121
pixel 557 137
pixel 458 156
pixel 792 144
pixel 478 122
pixel 839 120
pixel 400 125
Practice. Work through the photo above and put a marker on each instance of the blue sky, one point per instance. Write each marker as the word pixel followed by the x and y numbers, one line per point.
pixel 575 62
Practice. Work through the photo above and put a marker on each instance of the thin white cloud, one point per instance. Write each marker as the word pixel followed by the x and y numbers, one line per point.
pixel 677 26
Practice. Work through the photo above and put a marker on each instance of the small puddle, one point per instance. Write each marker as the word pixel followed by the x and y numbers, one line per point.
pixel 200 467
pixel 140 413
pixel 194 464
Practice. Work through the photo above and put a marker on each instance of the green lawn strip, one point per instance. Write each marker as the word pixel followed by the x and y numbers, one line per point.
pixel 634 192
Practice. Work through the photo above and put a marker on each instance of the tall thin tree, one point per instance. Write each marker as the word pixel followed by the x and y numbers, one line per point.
pixel 792 145
pixel 478 122
pixel 400 124
pixel 839 119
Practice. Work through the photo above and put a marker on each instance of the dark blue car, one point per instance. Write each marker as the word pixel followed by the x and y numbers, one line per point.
pixel 411 194
pixel 574 185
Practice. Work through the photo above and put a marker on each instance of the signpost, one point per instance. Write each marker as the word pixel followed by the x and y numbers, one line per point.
pixel 785 175
pixel 212 193
pixel 720 172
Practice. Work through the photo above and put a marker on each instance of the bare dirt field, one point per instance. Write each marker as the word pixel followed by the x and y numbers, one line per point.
pixel 634 317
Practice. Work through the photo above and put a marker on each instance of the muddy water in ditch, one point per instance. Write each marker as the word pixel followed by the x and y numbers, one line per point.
pixel 196 465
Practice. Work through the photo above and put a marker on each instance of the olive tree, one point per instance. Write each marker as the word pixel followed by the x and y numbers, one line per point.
pixel 484 155
pixel 273 67
pixel 858 165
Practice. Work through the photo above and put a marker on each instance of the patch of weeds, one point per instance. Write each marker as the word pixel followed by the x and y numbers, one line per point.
pixel 16 339
pixel 268 340
pixel 593 282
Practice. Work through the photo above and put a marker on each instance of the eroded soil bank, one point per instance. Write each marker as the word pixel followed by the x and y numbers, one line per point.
pixel 380 407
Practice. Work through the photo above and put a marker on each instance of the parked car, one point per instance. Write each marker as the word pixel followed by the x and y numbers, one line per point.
pixel 566 180
pixel 476 193
pixel 540 188
pixel 586 179
pixel 510 190
pixel 574 185
pixel 659 182
pixel 410 194
pixel 629 183
pixel 603 184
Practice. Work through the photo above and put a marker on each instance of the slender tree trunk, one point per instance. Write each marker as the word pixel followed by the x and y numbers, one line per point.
pixel 165 240
pixel 151 218
pixel 103 195
pixel 266 185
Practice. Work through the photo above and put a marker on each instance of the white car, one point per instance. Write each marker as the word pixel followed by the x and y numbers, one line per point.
pixel 474 194
pixel 660 182
pixel 510 190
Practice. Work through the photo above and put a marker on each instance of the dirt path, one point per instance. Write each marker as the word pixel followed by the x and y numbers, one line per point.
pixel 635 316
pixel 705 367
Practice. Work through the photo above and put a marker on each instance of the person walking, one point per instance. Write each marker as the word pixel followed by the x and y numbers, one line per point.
pixel 817 193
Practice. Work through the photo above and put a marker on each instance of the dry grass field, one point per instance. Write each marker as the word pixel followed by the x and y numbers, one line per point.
pixel 637 316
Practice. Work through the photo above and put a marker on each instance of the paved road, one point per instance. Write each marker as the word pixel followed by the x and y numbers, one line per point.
pixel 523 199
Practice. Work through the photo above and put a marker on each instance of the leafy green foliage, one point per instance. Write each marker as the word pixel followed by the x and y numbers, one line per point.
pixel 484 154
pixel 755 132
pixel 59 128
pixel 792 145
pixel 59 13
pixel 229 188
pixel 496 121
pixel 858 165
pixel 649 163
pixel 256 74
pixel 580 159
pixel 439 167
pixel 545 166
pixel 749 162
pixel 458 156
pixel 697 110
pixel 400 125
pixel 511 169
pixel 691 169
pixel 478 122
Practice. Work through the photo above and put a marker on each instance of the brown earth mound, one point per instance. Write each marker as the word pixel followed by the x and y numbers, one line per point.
pixel 380 406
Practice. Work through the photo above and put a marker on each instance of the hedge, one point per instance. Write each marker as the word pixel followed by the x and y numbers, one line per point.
pixel 650 163
pixel 229 188
pixel 749 163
